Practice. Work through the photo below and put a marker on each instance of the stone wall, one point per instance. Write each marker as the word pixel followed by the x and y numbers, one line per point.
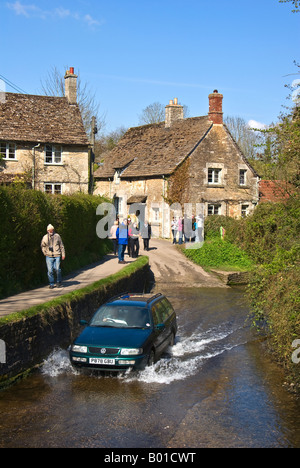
pixel 30 340
pixel 72 173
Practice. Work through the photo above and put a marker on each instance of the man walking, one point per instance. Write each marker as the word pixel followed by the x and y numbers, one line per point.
pixel 54 250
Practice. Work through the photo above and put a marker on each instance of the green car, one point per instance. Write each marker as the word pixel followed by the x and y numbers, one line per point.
pixel 128 331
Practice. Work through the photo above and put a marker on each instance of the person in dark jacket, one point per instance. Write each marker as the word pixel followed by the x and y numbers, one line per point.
pixel 54 250
pixel 146 234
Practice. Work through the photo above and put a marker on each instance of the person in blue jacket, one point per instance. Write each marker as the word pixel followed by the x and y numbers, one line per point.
pixel 122 236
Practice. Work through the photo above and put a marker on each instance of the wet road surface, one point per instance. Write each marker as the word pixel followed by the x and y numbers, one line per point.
pixel 215 388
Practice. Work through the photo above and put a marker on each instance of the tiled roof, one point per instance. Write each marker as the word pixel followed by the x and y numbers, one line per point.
pixel 273 190
pixel 153 150
pixel 41 119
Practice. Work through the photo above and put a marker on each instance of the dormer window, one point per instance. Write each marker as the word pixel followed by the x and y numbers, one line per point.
pixel 53 154
pixel 8 150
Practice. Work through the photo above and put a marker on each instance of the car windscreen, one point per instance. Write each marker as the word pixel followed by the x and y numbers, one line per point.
pixel 121 316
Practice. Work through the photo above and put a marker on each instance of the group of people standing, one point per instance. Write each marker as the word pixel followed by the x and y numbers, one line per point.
pixel 187 230
pixel 128 234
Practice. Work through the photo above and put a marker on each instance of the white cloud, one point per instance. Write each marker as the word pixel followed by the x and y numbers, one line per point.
pixel 34 11
pixel 254 124
pixel 91 21
pixel 21 9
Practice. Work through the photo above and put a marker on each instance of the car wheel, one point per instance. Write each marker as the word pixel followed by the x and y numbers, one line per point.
pixel 151 358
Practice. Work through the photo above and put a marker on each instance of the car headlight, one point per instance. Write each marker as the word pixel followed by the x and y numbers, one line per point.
pixel 79 349
pixel 131 351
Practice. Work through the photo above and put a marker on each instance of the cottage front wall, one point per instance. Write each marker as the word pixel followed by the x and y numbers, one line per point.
pixel 220 157
pixel 72 172
pixel 156 209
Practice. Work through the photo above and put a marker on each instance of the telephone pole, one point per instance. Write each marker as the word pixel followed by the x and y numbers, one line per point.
pixel 94 131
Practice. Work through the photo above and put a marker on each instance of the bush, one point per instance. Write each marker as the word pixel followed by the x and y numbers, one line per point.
pixel 218 253
pixel 212 225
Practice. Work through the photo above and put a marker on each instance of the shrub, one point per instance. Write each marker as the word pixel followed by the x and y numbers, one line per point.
pixel 218 253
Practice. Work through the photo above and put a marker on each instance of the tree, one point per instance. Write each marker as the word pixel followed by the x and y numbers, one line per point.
pixel 294 2
pixel 54 85
pixel 107 142
pixel 247 138
pixel 154 113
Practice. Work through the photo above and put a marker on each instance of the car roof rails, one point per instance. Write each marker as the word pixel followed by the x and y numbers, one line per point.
pixel 154 297
pixel 127 295
pixel 119 296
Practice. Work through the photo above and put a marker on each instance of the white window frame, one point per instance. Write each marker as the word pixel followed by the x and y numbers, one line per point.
pixel 215 208
pixel 56 155
pixel 243 177
pixel 54 188
pixel 215 174
pixel 156 214
pixel 10 148
pixel 244 210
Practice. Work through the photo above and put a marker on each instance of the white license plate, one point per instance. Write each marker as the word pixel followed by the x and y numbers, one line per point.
pixel 102 361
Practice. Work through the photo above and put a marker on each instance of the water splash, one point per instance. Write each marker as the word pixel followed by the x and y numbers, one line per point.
pixel 57 363
pixel 178 363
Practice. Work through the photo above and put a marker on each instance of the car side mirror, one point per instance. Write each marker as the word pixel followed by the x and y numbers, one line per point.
pixel 83 322
pixel 160 326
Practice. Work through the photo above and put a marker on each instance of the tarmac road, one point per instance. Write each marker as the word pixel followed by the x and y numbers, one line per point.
pixel 167 264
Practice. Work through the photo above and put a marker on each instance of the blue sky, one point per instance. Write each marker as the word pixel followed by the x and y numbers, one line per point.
pixel 136 52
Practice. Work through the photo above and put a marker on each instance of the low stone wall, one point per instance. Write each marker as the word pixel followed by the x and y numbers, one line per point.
pixel 30 340
pixel 233 277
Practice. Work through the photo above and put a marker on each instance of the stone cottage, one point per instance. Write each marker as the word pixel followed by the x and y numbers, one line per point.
pixel 43 141
pixel 190 164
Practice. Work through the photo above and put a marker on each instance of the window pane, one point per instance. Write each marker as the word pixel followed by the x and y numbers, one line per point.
pixel 214 176
pixel 242 177
pixel 57 188
pixel 11 151
pixel 213 209
pixel 48 188
pixel 48 155
pixel 3 149
pixel 57 158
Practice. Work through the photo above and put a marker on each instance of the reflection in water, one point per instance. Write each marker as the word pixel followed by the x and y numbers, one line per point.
pixel 214 388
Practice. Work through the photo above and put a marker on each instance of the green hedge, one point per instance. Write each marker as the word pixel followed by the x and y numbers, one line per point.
pixel 270 238
pixel 24 216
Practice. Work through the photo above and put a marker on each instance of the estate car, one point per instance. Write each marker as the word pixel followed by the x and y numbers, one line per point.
pixel 128 331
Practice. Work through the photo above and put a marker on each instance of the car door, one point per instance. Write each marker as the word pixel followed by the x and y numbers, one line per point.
pixel 170 317
pixel 162 333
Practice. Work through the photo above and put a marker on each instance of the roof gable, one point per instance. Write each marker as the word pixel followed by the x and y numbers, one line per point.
pixel 153 150
pixel 42 119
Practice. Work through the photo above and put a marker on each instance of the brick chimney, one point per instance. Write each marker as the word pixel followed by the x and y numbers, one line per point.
pixel 215 113
pixel 174 111
pixel 71 86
